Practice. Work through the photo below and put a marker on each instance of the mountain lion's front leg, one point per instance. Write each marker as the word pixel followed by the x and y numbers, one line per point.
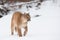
pixel 26 29
pixel 19 32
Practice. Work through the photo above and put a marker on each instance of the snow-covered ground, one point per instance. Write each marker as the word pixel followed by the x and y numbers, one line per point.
pixel 44 27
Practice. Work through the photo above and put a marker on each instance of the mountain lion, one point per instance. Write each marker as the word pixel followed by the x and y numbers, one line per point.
pixel 19 21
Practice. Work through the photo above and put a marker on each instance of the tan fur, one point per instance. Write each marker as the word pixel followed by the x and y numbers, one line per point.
pixel 19 21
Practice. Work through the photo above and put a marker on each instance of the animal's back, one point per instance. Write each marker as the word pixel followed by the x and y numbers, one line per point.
pixel 16 17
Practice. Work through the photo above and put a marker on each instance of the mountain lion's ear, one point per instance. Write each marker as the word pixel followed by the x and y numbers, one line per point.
pixel 28 16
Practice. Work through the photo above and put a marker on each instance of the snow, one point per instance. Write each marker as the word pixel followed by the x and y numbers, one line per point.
pixel 44 27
